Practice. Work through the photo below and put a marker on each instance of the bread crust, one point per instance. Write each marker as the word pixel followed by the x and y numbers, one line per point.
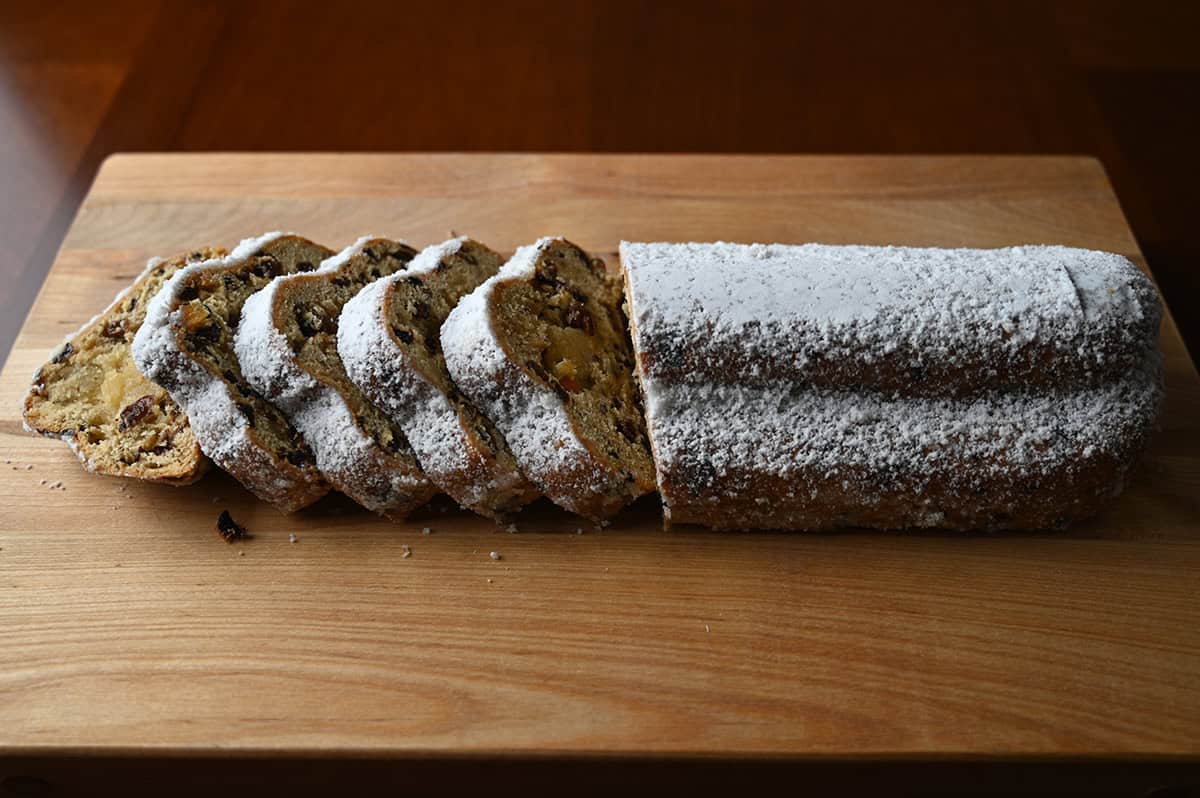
pixel 987 474
pixel 456 447
pixel 916 321
pixel 213 402
pixel 989 436
pixel 91 429
pixel 386 482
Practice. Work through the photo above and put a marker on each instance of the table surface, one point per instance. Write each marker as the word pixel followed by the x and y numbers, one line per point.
pixel 126 625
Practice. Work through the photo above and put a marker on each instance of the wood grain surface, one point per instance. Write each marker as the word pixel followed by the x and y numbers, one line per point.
pixel 127 626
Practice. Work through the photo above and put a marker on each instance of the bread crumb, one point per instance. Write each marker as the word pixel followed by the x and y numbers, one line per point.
pixel 706 628
pixel 578 530
pixel 489 580
pixel 241 554
pixel 405 552
pixel 495 555
pixel 511 529
pixel 41 482
pixel 230 530
pixel 292 537
pixel 29 467
pixel 426 531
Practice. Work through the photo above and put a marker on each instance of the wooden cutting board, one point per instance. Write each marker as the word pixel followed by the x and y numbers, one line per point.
pixel 127 625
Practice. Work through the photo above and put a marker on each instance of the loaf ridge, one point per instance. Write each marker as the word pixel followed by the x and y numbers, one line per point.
pixel 807 387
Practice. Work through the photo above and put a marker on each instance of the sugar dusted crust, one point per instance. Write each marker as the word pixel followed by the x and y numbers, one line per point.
pixel 739 457
pixel 384 481
pixel 791 397
pixel 455 446
pixel 921 321
pixel 529 413
pixel 214 408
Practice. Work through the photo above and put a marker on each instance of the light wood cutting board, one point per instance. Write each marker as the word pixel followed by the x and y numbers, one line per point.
pixel 126 625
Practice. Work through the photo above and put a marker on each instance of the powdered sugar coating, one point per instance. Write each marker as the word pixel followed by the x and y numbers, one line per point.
pixel 811 386
pixel 344 453
pixel 445 445
pixel 714 444
pixel 220 428
pixel 942 321
pixel 529 415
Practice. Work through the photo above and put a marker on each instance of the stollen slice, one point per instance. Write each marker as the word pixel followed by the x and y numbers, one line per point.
pixel 389 340
pixel 186 346
pixel 542 349
pixel 91 395
pixel 287 346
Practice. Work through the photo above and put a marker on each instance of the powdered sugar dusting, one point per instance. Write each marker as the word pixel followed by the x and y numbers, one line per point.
pixel 428 259
pixel 814 311
pixel 439 434
pixel 750 429
pixel 529 415
pixel 221 430
pixel 344 453
pixel 756 401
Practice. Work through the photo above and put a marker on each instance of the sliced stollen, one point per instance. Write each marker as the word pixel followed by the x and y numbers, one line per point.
pixel 389 340
pixel 807 387
pixel 542 349
pixel 287 346
pixel 91 395
pixel 186 346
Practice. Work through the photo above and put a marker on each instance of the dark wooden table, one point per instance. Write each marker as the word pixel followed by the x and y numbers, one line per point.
pixel 1118 80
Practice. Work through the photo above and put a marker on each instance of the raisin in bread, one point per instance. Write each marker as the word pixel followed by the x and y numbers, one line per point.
pixel 92 396
pixel 810 387
pixel 186 346
pixel 542 349
pixel 389 340
pixel 287 347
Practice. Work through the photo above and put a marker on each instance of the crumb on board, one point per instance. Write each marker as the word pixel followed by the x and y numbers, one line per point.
pixel 495 555
pixel 706 628
pixel 230 530
pixel 29 466
pixel 578 530
pixel 426 531
pixel 405 551
pixel 490 580
pixel 292 537
pixel 511 529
